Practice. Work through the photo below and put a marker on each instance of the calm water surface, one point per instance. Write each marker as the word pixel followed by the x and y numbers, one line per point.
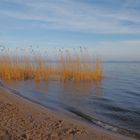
pixel 113 103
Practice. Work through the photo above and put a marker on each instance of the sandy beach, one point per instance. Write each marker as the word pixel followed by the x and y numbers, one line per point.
pixel 23 120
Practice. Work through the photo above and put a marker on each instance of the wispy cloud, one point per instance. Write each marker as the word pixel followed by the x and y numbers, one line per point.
pixel 97 16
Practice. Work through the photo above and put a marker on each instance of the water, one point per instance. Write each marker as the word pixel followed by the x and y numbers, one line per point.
pixel 113 103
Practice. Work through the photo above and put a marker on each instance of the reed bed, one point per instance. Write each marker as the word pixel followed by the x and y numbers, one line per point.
pixel 73 67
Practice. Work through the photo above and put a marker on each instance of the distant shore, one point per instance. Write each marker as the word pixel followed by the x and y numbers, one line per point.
pixel 21 119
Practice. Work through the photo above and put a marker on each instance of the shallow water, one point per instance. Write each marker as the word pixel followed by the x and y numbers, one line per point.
pixel 113 103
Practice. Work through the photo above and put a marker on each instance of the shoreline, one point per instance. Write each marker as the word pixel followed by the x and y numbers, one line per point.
pixel 23 119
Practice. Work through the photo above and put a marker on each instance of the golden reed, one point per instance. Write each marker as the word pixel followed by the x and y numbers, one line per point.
pixel 78 67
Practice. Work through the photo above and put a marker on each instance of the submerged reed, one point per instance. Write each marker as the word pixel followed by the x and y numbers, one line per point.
pixel 78 67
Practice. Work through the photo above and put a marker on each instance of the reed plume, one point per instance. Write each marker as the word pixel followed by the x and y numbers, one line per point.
pixel 74 67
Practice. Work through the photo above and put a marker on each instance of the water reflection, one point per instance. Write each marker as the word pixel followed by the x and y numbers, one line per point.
pixel 97 88
pixel 81 88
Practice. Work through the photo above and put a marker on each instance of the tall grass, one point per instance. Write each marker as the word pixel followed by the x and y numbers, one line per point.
pixel 74 67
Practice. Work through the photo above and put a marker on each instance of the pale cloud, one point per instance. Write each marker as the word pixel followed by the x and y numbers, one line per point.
pixel 74 15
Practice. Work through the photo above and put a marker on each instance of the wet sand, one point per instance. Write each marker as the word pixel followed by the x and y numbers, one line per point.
pixel 21 119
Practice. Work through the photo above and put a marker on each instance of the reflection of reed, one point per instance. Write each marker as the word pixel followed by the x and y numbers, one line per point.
pixel 97 88
pixel 76 88
pixel 84 88
pixel 76 67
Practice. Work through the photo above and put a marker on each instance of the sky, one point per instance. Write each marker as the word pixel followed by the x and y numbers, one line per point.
pixel 108 28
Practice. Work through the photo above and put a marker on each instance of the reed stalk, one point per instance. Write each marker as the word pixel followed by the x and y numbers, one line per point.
pixel 78 67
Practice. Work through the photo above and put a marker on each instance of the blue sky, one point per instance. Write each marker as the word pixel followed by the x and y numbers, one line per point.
pixel 109 28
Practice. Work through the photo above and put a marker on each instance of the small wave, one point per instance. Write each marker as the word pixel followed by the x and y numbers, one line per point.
pixel 92 120
pixel 133 93
pixel 107 104
pixel 104 125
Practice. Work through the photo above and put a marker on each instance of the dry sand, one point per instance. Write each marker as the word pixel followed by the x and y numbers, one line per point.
pixel 23 120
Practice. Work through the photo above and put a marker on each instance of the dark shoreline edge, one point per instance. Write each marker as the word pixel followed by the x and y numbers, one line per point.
pixel 85 117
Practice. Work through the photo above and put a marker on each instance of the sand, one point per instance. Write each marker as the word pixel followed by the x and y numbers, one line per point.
pixel 23 120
